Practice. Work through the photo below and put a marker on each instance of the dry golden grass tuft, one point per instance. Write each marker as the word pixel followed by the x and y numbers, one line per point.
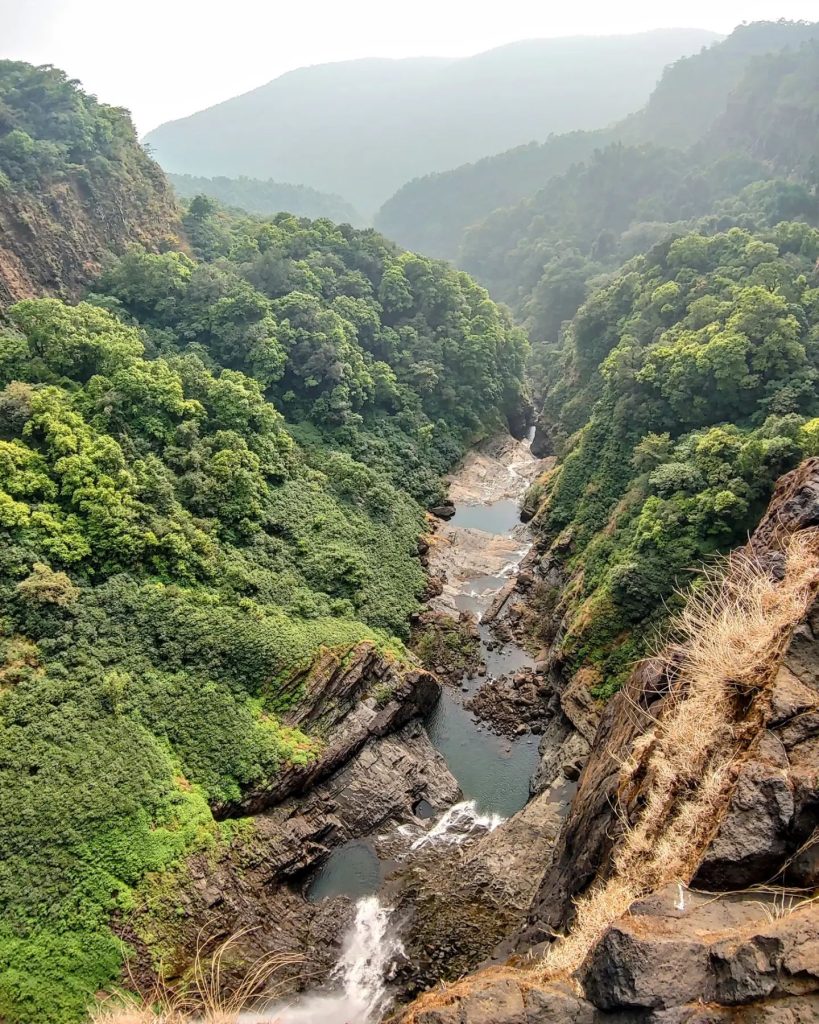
pixel 208 998
pixel 726 646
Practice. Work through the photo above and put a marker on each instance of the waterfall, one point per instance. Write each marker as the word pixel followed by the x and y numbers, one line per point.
pixel 356 993
pixel 457 824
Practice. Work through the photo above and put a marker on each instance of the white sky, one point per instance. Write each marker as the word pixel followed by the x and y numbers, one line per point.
pixel 166 58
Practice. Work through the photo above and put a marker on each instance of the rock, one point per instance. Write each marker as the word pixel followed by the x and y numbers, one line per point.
pixel 671 950
pixel 491 998
pixel 444 512
pixel 254 886
pixel 751 841
pixel 580 707
pixel 542 443
pixel 334 705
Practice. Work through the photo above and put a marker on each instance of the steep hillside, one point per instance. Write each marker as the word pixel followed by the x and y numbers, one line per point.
pixel 687 385
pixel 203 602
pixel 682 884
pixel 267 197
pixel 74 185
pixel 363 128
pixel 431 214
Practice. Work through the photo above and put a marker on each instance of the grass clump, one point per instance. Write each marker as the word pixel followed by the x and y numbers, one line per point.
pixel 727 644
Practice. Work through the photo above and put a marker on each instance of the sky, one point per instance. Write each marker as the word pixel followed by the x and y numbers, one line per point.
pixel 164 59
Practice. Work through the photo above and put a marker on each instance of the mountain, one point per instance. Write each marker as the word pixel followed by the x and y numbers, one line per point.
pixel 75 185
pixel 267 197
pixel 363 128
pixel 430 214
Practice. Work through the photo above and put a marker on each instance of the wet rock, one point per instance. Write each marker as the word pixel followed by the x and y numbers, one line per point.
pixel 445 512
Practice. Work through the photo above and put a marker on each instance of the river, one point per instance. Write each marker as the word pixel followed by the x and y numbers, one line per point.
pixel 479 551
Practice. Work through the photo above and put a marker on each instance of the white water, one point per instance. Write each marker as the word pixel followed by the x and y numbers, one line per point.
pixel 457 824
pixel 356 993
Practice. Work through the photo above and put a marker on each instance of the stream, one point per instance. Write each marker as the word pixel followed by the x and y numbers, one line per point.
pixel 479 550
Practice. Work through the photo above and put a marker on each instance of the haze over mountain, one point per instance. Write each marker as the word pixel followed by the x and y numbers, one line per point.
pixel 431 213
pixel 362 128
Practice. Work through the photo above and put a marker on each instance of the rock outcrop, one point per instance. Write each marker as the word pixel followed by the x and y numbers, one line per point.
pixel 375 767
pixel 346 698
pixel 54 241
pixel 742 943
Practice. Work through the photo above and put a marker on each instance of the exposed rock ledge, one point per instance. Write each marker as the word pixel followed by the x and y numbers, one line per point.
pixel 675 958
pixel 679 955
pixel 346 698
pixel 376 765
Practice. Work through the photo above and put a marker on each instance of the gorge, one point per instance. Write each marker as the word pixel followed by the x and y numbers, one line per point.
pixel 371 651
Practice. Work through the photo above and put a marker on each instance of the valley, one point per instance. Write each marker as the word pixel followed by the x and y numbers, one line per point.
pixel 419 635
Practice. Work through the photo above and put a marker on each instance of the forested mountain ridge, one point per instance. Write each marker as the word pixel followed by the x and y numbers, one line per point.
pixel 683 390
pixel 415 116
pixel 212 470
pixel 75 185
pixel 431 214
pixel 542 255
pixel 267 197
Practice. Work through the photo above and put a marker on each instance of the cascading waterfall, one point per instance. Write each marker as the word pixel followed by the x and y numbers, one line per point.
pixel 356 993
pixel 456 825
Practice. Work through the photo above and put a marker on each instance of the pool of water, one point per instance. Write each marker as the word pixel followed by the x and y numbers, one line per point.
pixel 496 517
pixel 491 770
pixel 352 870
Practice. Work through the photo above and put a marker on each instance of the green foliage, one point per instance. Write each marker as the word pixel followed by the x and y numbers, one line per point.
pixel 266 197
pixel 174 556
pixel 694 386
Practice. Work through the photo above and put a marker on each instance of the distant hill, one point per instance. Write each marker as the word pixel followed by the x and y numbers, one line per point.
pixel 756 165
pixel 267 197
pixel 363 128
pixel 430 214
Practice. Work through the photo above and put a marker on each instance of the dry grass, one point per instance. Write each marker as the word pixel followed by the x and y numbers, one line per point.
pixel 727 644
pixel 208 998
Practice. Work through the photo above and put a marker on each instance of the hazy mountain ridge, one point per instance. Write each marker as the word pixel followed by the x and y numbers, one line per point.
pixel 363 128
pixel 267 197
pixel 688 99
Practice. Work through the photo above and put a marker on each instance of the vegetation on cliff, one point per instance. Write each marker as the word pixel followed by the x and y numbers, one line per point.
pixel 74 184
pixel 209 471
pixel 684 389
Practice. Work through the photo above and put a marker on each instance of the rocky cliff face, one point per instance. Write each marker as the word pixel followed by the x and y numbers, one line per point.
pixel 375 765
pixel 734 936
pixel 53 239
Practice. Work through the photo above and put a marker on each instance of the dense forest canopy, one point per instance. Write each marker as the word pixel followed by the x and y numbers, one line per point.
pixel 216 465
pixel 211 469
pixel 432 213
pixel 684 388
pixel 267 197
pixel 362 128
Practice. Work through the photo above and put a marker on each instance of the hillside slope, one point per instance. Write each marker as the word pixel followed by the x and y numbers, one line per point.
pixel 431 214
pixel 204 601
pixel 363 128
pixel 267 197
pixel 75 185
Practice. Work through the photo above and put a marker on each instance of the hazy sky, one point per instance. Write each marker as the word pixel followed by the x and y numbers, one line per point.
pixel 166 58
